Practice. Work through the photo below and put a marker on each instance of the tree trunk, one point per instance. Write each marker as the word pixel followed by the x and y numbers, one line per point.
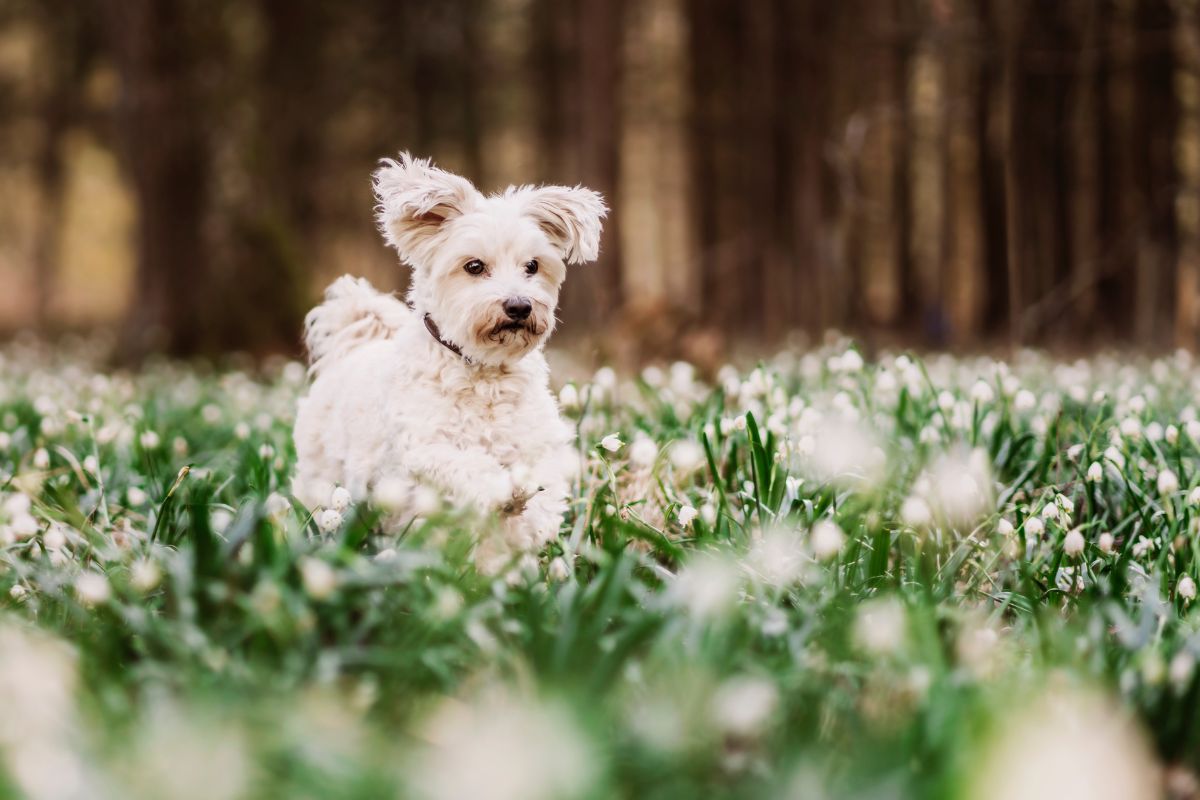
pixel 164 141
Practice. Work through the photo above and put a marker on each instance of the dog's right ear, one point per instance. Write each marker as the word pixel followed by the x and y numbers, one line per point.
pixel 413 200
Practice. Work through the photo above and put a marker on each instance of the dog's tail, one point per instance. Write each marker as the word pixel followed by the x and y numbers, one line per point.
pixel 353 313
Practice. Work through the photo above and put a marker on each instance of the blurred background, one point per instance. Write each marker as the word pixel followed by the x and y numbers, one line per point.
pixel 968 174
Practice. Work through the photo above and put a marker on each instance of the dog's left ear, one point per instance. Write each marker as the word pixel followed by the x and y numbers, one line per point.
pixel 569 216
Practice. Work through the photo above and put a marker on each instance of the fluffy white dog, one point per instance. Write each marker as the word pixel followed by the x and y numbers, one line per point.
pixel 450 391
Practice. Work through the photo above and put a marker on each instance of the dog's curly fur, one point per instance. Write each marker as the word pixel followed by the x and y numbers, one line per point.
pixel 390 403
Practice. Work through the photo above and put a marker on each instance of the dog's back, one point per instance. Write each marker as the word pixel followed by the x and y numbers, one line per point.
pixel 353 313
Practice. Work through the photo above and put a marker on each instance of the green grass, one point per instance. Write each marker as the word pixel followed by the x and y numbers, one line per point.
pixel 170 627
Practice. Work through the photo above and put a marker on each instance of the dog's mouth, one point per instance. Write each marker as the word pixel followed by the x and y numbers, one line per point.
pixel 500 331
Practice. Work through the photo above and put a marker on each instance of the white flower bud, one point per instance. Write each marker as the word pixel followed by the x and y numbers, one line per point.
pixel 827 540
pixel 318 578
pixel 1073 543
pixel 558 570
pixel 612 443
pixel 92 589
pixel 340 500
pixel 329 520
pixel 1168 482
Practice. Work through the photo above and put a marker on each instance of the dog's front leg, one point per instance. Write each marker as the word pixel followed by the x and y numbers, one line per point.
pixel 466 475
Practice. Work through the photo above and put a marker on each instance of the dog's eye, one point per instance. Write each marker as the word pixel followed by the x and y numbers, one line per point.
pixel 474 266
pixel 531 266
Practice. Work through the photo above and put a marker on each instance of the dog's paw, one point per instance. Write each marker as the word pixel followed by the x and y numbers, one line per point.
pixel 492 492
pixel 521 495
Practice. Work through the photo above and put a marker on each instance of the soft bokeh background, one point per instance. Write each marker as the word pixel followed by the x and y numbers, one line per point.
pixel 942 173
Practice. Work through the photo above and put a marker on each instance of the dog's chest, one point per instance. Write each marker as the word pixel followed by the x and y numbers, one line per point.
pixel 497 415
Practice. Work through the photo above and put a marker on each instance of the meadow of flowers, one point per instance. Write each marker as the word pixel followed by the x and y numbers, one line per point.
pixel 818 577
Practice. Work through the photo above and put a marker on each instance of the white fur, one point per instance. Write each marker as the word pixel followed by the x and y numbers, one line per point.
pixel 390 404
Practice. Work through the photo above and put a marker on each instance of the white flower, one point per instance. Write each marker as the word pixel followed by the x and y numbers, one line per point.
pixel 612 443
pixel 1105 542
pixel 1051 511
pixel 1095 472
pixel 277 506
pixel 1154 432
pixel 329 520
pixel 1131 428
pixel 1034 527
pixel 687 455
pixel 340 500
pixel 1171 435
pixel 501 746
pixel 17 592
pixel 426 501
pixel 41 458
pixel 1186 588
pixel 1066 743
pixel 1115 457
pixel 1192 429
pixel 136 497
pixel 915 512
pixel 982 392
pixel 827 539
pixel 880 626
pixel 149 440
pixel 390 494
pixel 558 570
pixel 91 465
pixel 54 538
pixel 742 707
pixel 1183 664
pixel 1073 543
pixel 708 513
pixel 706 586
pixel 318 578
pixel 686 515
pixel 144 575
pixel 850 361
pixel 242 431
pixel 1004 527
pixel 1025 400
pixel 777 557
pixel 1168 482
pixel 643 451
pixel 568 397
pixel 92 588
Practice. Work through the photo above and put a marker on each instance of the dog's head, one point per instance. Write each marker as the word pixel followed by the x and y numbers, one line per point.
pixel 487 269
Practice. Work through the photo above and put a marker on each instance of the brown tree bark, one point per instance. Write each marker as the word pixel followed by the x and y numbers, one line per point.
pixel 164 137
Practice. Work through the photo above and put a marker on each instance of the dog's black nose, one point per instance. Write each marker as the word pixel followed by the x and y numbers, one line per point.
pixel 517 308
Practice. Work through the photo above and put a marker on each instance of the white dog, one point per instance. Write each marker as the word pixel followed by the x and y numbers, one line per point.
pixel 451 390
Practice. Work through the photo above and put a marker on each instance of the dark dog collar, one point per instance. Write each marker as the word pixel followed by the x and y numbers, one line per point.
pixel 432 327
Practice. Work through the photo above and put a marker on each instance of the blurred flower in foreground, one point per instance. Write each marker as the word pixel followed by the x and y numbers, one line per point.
pixel 743 706
pixel 706 586
pixel 186 756
pixel 501 747
pixel 1068 743
pixel 38 726
pixel 957 487
pixel 880 628
pixel 842 452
